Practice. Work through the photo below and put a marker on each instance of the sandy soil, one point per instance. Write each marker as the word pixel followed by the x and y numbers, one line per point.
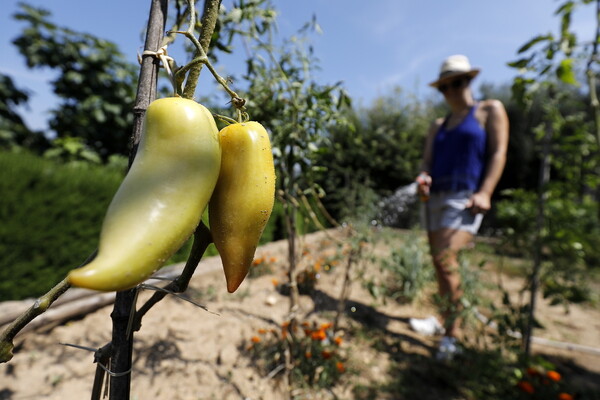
pixel 183 352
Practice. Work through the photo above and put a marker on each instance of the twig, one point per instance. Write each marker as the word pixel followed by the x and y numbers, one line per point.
pixel 39 307
pixel 355 254
pixel 540 221
pixel 592 77
pixel 102 357
pixel 202 238
pixel 275 371
pixel 311 212
pixel 202 59
pixel 180 19
pixel 192 69
pixel 325 212
pixel 178 295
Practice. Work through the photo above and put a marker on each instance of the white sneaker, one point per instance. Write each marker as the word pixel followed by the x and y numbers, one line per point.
pixel 426 326
pixel 448 349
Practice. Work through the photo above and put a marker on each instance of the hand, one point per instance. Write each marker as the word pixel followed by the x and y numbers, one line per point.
pixel 479 203
pixel 424 181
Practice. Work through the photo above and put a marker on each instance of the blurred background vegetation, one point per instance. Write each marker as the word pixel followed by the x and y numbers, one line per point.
pixel 57 183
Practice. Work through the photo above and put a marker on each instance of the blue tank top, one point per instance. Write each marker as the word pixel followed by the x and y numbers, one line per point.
pixel 459 154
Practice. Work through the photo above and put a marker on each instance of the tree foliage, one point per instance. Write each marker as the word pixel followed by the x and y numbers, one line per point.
pixel 299 111
pixel 14 132
pixel 322 145
pixel 567 187
pixel 563 126
pixel 381 153
pixel 283 94
pixel 95 84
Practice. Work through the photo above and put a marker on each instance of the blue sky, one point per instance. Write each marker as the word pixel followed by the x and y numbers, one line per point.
pixel 372 46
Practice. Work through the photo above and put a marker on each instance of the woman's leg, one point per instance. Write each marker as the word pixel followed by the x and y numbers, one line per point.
pixel 445 244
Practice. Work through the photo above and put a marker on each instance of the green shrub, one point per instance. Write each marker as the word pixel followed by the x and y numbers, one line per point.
pixel 570 238
pixel 405 273
pixel 51 215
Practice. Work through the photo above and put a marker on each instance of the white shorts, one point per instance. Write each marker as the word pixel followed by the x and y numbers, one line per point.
pixel 448 210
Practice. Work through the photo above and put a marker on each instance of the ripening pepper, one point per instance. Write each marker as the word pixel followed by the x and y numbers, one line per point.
pixel 161 200
pixel 243 198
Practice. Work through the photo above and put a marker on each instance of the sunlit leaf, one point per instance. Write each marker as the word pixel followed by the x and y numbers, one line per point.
pixel 566 73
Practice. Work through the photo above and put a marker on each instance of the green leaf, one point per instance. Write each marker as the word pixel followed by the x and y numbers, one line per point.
pixel 520 63
pixel 565 72
pixel 565 22
pixel 534 41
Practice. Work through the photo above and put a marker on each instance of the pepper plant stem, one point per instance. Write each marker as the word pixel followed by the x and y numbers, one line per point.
pixel 208 22
pixel 39 307
pixel 202 238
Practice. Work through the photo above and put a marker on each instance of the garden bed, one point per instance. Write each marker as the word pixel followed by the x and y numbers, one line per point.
pixel 183 352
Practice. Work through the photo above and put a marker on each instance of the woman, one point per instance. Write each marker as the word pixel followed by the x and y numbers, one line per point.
pixel 464 157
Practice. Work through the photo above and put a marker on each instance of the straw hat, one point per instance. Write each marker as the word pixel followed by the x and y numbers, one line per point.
pixel 454 66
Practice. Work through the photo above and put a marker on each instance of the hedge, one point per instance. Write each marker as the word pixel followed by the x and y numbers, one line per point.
pixel 50 218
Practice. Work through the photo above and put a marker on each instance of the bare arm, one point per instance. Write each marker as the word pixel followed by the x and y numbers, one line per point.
pixel 497 129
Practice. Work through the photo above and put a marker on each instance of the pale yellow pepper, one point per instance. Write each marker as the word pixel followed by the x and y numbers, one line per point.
pixel 161 200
